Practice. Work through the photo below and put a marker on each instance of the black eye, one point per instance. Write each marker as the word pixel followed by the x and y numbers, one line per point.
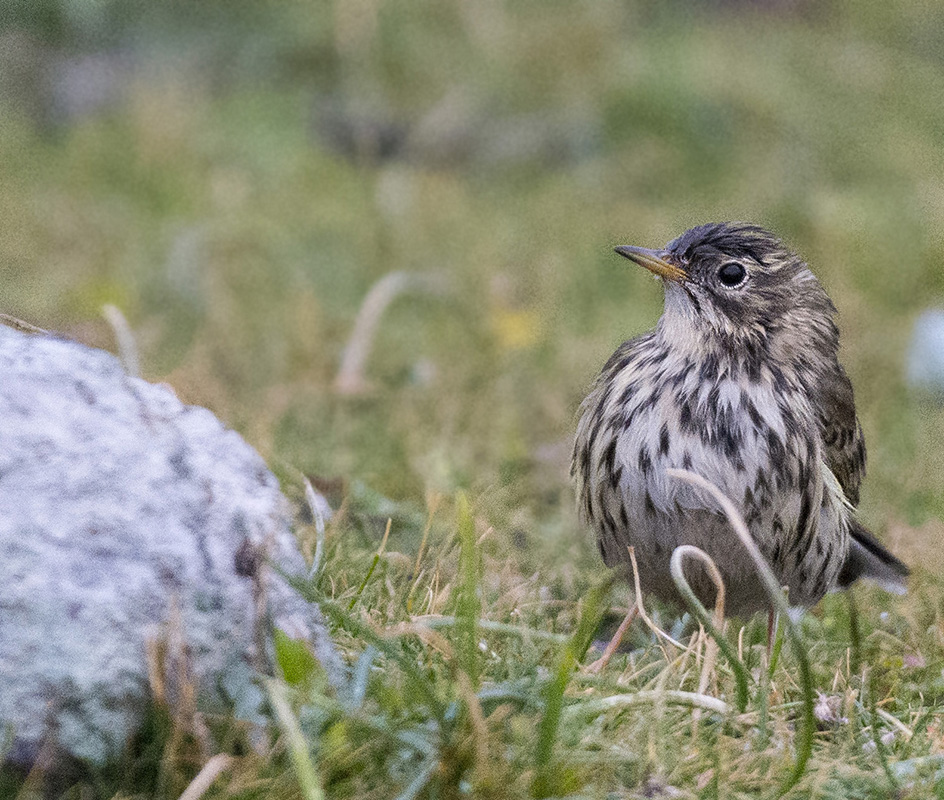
pixel 731 274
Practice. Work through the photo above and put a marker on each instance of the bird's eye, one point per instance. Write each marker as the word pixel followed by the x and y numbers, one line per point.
pixel 732 274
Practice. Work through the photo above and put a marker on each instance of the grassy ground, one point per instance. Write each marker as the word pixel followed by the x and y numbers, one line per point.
pixel 211 204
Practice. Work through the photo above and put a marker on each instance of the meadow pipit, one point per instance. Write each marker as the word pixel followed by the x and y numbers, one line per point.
pixel 739 382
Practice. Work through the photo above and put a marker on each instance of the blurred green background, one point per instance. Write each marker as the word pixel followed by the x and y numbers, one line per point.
pixel 235 176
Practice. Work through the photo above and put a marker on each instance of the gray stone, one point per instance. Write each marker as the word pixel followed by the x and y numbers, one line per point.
pixel 127 518
pixel 926 353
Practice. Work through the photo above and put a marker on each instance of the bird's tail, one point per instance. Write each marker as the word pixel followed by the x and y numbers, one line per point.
pixel 869 558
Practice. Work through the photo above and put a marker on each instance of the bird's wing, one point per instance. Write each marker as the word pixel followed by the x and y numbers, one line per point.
pixel 594 469
pixel 843 442
pixel 844 453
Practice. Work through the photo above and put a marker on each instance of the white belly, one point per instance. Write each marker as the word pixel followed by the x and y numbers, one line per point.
pixel 761 451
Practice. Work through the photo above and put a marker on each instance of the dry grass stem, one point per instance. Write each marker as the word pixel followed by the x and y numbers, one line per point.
pixel 613 645
pixel 711 646
pixel 433 500
pixel 20 325
pixel 213 768
pixel 734 519
pixel 320 513
pixel 351 378
pixel 807 724
pixel 124 336
pixel 649 697
pixel 642 611
pixel 425 634
pixel 895 723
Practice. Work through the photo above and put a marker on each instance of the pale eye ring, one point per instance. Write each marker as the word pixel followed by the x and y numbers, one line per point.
pixel 732 274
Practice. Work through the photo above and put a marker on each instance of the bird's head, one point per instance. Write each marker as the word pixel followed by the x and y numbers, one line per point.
pixel 736 282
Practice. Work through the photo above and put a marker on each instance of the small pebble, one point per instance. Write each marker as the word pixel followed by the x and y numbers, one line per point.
pixel 926 353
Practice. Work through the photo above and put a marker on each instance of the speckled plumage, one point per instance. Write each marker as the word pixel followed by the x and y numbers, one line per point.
pixel 742 385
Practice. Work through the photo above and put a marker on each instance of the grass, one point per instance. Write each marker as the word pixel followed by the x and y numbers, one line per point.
pixel 239 246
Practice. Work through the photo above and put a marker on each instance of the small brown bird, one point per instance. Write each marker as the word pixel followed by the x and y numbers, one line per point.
pixel 740 383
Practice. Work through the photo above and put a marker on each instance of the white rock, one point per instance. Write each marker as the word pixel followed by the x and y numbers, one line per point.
pixel 121 510
pixel 926 354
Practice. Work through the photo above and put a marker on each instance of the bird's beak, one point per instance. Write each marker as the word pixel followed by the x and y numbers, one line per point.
pixel 653 261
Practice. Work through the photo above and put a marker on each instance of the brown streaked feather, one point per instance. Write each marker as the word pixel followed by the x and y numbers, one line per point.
pixel 611 541
pixel 740 383
pixel 843 442
pixel 844 451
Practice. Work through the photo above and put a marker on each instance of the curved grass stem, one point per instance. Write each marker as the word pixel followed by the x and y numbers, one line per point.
pixel 592 708
pixel 778 600
pixel 741 677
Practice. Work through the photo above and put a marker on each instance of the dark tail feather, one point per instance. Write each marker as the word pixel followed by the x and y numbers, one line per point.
pixel 868 558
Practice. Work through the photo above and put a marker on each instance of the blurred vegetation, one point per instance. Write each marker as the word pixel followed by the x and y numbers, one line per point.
pixel 236 176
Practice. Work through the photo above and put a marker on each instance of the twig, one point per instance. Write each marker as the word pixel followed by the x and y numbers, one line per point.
pixel 613 645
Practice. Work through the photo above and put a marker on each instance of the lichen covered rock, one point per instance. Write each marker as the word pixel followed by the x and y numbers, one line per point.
pixel 123 514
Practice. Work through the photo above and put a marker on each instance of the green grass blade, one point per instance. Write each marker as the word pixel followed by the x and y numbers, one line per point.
pixel 545 783
pixel 778 646
pixel 305 769
pixel 392 650
pixel 762 700
pixel 469 603
pixel 357 687
pixel 370 571
pixel 855 635
pixel 741 676
pixel 880 749
pixel 420 780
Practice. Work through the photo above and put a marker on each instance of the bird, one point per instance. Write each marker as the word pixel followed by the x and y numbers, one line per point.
pixel 740 382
